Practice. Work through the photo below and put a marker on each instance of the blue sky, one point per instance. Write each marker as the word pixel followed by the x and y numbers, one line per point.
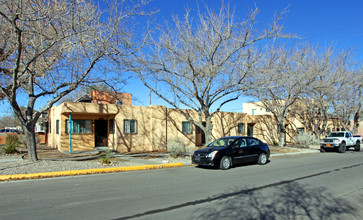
pixel 319 22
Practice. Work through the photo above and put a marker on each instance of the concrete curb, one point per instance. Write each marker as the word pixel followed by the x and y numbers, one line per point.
pixel 87 171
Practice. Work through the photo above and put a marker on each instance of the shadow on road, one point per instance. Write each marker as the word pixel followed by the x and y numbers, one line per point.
pixel 286 201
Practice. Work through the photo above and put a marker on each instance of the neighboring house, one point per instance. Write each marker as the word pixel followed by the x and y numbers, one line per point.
pixel 255 108
pixel 106 98
pixel 8 131
pixel 41 127
pixel 267 126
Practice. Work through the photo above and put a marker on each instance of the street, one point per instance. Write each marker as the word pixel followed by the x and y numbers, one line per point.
pixel 313 186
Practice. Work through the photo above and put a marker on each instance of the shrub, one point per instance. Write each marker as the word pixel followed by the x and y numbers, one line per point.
pixel 178 148
pixel 12 142
pixel 305 139
pixel 106 158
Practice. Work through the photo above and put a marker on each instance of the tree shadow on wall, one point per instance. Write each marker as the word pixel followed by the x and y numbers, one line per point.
pixel 287 201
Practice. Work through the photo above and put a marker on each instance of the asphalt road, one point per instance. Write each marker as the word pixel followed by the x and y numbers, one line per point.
pixel 314 186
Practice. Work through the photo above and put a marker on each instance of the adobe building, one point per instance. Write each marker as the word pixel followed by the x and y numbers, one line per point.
pixel 127 128
pixel 110 121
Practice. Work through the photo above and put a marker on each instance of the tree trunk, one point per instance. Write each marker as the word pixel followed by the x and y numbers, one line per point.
pixel 356 121
pixel 282 132
pixel 31 144
pixel 208 130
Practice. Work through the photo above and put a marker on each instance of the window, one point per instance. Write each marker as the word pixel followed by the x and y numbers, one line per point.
pixel 79 126
pixel 253 142
pixel 129 126
pixel 57 126
pixel 300 130
pixel 253 111
pixel 186 128
pixel 111 126
pixel 241 128
pixel 268 110
pixel 118 102
pixel 243 143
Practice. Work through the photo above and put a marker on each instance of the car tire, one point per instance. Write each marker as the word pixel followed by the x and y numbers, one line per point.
pixel 225 163
pixel 342 148
pixel 357 146
pixel 262 159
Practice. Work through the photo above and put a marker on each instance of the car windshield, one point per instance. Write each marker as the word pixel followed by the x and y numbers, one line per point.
pixel 337 134
pixel 222 142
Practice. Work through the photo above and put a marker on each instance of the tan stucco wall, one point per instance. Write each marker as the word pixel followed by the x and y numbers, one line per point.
pixel 156 126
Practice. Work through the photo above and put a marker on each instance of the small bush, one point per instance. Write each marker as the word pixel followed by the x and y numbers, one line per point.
pixel 106 159
pixel 305 139
pixel 177 148
pixel 12 142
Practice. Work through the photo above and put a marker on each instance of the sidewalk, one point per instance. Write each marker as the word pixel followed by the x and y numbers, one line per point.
pixel 144 164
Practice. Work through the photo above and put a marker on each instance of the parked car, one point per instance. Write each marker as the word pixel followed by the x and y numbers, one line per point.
pixel 10 131
pixel 340 141
pixel 228 151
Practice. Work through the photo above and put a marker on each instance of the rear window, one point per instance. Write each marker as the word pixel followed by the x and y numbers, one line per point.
pixel 336 134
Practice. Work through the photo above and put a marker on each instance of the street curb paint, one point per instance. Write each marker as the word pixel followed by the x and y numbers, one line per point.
pixel 86 171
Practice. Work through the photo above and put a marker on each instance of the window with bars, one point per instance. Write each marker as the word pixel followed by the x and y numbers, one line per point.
pixel 186 127
pixel 300 130
pixel 79 126
pixel 57 126
pixel 111 126
pixel 241 128
pixel 130 126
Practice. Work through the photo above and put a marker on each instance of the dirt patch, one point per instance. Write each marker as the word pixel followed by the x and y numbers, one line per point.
pixel 52 153
pixel 279 150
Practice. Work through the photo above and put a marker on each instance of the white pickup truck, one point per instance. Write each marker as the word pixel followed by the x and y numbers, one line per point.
pixel 340 141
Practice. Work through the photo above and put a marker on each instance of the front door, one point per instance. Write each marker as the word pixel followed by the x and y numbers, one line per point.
pixel 199 136
pixel 250 130
pixel 101 133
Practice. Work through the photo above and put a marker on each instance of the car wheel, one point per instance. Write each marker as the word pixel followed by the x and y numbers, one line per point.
pixel 262 159
pixel 225 163
pixel 342 148
pixel 357 146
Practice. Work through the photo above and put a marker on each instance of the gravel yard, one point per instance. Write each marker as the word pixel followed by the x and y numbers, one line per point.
pixel 53 160
pixel 14 164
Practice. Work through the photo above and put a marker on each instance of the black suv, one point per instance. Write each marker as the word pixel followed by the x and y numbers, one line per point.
pixel 228 151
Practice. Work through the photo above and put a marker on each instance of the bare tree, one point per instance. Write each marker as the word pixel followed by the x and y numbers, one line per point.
pixel 314 106
pixel 348 99
pixel 199 61
pixel 49 48
pixel 286 73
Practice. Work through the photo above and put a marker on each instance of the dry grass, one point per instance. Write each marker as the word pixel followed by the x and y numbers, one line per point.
pixel 278 150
